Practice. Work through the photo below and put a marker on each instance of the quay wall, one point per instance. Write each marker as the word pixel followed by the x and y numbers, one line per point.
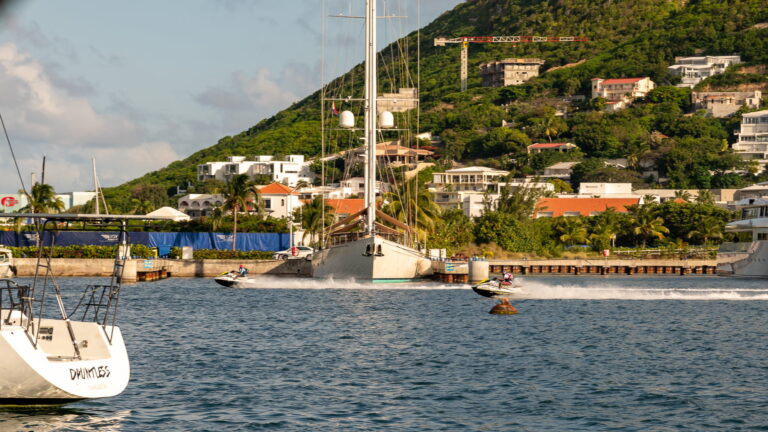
pixel 85 267
pixel 458 271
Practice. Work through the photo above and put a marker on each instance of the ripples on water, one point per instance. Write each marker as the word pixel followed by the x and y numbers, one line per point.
pixel 582 354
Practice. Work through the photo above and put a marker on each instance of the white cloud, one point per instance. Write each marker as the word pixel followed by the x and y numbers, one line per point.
pixel 246 99
pixel 45 116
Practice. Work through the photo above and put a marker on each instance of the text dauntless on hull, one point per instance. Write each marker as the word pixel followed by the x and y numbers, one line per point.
pixel 360 247
pixel 747 258
pixel 63 359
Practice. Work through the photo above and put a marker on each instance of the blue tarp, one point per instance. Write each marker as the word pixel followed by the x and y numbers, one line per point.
pixel 245 241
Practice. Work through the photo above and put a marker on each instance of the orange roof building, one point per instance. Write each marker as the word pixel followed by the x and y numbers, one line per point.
pixel 556 207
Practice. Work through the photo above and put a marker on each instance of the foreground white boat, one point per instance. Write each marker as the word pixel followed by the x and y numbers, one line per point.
pixel 79 354
pixel 749 257
pixel 497 288
pixel 6 263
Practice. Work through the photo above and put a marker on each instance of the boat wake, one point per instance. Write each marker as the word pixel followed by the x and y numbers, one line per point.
pixel 533 289
pixel 545 291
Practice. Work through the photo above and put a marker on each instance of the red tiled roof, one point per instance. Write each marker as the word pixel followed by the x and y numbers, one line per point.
pixel 621 80
pixel 548 145
pixel 585 206
pixel 277 189
pixel 345 205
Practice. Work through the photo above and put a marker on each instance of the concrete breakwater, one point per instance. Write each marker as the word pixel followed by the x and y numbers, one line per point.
pixel 84 267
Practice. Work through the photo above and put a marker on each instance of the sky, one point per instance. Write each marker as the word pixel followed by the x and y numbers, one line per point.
pixel 139 84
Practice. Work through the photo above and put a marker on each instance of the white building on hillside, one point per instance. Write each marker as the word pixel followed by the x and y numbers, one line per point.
pixel 723 104
pixel 693 70
pixel 289 171
pixel 279 200
pixel 752 141
pixel 197 205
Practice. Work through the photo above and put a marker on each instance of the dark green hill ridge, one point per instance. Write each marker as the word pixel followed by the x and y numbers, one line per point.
pixel 627 38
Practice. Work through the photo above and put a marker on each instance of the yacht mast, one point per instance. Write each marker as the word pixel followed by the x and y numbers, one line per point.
pixel 370 112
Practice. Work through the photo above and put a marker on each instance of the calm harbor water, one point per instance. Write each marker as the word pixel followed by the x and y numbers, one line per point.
pixel 629 354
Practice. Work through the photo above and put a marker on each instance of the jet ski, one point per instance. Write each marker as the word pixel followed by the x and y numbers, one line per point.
pixel 234 280
pixel 497 288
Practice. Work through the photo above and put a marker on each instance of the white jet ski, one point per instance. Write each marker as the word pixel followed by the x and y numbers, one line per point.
pixel 234 280
pixel 497 288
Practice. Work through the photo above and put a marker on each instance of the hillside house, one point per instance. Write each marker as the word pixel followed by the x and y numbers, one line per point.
pixel 555 147
pixel 560 170
pixel 289 171
pixel 752 143
pixel 620 92
pixel 692 70
pixel 198 205
pixel 723 104
pixel 511 71
pixel 279 200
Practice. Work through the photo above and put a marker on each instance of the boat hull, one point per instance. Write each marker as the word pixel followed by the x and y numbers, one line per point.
pixel 50 374
pixel 371 259
pixel 751 262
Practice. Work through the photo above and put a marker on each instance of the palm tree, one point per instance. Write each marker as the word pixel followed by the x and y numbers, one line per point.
pixel 709 227
pixel 705 197
pixel 237 191
pixel 314 217
pixel 603 235
pixel 141 207
pixel 42 199
pixel 646 224
pixel 571 230
pixel 414 205
pixel 683 195
pixel 217 217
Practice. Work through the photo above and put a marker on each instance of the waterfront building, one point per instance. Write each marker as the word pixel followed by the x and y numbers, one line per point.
pixel 511 71
pixel 752 144
pixel 556 207
pixel 692 70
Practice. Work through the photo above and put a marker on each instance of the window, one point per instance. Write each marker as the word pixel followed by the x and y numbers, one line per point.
pixel 571 213
pixel 267 203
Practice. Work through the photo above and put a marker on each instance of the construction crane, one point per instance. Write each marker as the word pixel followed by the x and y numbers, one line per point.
pixel 466 40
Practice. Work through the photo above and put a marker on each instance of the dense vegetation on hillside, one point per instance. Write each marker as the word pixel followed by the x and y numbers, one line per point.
pixel 627 38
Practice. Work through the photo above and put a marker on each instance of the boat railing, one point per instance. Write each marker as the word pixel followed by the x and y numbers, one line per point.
pixel 98 303
pixel 16 304
pixel 738 247
pixel 342 238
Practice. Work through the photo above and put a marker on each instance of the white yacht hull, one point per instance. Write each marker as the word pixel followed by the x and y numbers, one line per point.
pixel 751 261
pixel 371 259
pixel 51 374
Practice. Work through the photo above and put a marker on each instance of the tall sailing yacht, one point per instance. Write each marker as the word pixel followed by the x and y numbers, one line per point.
pixel 359 246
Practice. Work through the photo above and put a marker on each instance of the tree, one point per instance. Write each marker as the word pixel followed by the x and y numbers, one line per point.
pixel 646 224
pixel 42 199
pixel 683 195
pixel 141 207
pixel 314 217
pixel 411 203
pixel 708 228
pixel 237 192
pixel 518 202
pixel 454 230
pixel 216 218
pixel 705 197
pixel 571 230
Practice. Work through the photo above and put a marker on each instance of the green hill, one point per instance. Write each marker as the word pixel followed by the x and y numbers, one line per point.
pixel 627 38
